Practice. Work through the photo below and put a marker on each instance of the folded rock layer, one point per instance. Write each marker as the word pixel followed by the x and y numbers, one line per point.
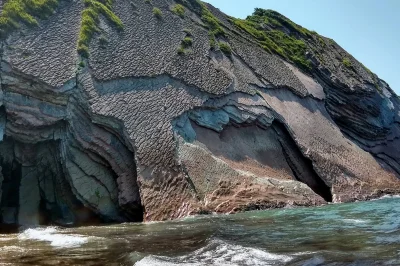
pixel 184 113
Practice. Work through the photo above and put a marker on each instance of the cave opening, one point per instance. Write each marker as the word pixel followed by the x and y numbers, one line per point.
pixel 27 171
pixel 264 150
pixel 9 207
pixel 302 167
pixel 35 189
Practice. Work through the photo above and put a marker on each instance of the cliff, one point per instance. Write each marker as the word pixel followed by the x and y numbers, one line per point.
pixel 132 110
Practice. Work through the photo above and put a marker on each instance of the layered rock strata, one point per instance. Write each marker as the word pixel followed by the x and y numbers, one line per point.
pixel 139 132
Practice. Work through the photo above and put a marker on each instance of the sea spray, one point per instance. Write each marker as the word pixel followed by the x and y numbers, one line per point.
pixel 53 235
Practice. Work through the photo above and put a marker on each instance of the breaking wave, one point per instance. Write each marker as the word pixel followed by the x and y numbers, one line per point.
pixel 389 197
pixel 53 236
pixel 220 253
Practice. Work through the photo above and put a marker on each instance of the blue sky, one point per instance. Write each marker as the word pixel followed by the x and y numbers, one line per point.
pixel 367 29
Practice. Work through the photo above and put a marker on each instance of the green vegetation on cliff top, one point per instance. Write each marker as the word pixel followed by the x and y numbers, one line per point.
pixel 17 12
pixel 266 27
pixel 90 21
pixel 213 24
pixel 274 32
pixel 24 11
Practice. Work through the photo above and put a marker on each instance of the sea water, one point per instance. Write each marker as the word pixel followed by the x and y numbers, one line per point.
pixel 362 233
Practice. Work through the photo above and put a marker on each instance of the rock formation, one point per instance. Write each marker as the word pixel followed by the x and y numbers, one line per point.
pixel 132 110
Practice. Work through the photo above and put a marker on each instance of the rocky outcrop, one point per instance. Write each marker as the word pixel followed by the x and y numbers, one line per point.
pixel 138 131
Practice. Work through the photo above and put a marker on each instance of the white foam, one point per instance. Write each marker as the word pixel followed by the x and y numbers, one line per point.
pixel 219 253
pixel 155 261
pixel 51 235
pixel 6 238
pixel 389 197
pixel 355 221
pixel 11 248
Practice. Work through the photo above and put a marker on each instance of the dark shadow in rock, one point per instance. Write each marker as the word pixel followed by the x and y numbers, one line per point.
pixel 35 190
pixel 249 147
pixel 269 152
pixel 301 166
pixel 11 171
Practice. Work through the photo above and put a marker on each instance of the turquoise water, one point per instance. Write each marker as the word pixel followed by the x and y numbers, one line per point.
pixel 363 233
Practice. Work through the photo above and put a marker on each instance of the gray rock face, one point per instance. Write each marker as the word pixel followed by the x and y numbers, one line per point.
pixel 139 132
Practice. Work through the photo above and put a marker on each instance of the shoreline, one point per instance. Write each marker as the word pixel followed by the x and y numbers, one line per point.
pixel 6 229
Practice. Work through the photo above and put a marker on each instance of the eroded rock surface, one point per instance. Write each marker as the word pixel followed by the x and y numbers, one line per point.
pixel 138 131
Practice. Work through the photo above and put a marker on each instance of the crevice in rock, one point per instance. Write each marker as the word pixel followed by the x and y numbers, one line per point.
pixel 11 171
pixel 59 205
pixel 388 162
pixel 44 213
pixel 1 60
pixel 301 166
pixel 98 181
pixel 111 160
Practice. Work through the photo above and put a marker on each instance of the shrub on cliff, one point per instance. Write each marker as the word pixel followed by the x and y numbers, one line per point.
pixel 179 10
pixel 187 41
pixel 346 62
pixel 157 12
pixel 225 48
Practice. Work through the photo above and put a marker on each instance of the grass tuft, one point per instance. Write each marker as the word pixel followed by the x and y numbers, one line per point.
pixel 225 48
pixel 181 50
pixel 187 41
pixel 178 10
pixel 213 42
pixel 213 24
pixel 346 62
pixel 157 12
